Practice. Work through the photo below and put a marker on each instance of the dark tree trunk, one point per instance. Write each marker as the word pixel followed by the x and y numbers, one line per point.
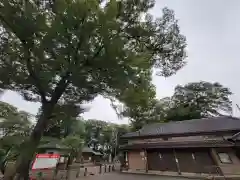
pixel 71 158
pixel 29 147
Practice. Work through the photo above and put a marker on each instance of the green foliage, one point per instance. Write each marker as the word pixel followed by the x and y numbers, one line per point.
pixel 84 47
pixel 95 133
pixel 211 99
pixel 15 127
pixel 196 100
pixel 103 136
pixel 13 124
pixel 7 111
pixel 64 120
pixel 2 154
pixel 100 135
pixel 73 142
pixel 70 51
pixel 47 139
pixel 191 101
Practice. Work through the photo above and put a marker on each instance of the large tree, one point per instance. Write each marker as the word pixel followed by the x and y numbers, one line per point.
pixel 69 51
pixel 141 102
pixel 191 101
pixel 196 100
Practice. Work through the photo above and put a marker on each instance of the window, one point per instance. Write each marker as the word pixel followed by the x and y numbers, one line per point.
pixel 224 158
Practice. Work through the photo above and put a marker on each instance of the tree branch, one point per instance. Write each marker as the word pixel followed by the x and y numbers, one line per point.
pixel 98 52
pixel 35 79
pixel 60 88
pixel 63 83
pixel 32 74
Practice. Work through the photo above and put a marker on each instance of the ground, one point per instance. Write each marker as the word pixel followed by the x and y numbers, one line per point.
pixel 121 176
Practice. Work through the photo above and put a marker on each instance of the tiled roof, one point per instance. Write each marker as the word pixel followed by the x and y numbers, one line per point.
pixel 205 125
pixel 53 145
pixel 89 150
pixel 184 144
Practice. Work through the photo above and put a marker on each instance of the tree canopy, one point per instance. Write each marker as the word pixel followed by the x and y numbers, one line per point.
pixel 70 51
pixel 13 122
pixel 64 121
pixel 74 50
pixel 191 101
pixel 211 99
pixel 15 127
pixel 100 135
pixel 199 100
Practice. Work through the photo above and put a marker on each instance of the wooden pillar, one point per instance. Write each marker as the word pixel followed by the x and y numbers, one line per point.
pixel 100 169
pixel 146 160
pixel 214 156
pixel 177 163
pixel 127 160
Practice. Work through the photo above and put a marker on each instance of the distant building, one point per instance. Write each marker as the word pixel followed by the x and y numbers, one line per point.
pixel 201 146
pixel 56 147
pixel 89 155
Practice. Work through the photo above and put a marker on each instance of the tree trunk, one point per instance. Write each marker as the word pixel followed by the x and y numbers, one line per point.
pixel 70 159
pixel 28 148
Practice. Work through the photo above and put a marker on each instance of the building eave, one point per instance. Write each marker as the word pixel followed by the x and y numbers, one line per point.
pixel 180 134
pixel 186 144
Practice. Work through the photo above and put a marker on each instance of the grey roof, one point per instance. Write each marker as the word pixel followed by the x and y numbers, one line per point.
pixel 98 153
pixel 184 144
pixel 53 145
pixel 89 150
pixel 205 125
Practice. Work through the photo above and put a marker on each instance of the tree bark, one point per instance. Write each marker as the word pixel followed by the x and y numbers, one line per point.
pixel 29 147
pixel 70 159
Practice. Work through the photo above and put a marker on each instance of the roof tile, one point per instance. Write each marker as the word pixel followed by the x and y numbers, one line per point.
pixel 205 125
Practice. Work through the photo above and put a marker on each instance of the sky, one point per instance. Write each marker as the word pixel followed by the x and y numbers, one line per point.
pixel 212 31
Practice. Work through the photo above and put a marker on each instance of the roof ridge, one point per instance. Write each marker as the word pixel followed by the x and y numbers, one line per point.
pixel 189 120
pixel 189 126
pixel 235 118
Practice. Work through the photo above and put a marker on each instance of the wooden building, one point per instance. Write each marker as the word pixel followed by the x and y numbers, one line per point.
pixel 201 146
pixel 89 155
pixel 56 147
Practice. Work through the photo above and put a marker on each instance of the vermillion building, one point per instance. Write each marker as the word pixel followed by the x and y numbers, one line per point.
pixel 201 146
